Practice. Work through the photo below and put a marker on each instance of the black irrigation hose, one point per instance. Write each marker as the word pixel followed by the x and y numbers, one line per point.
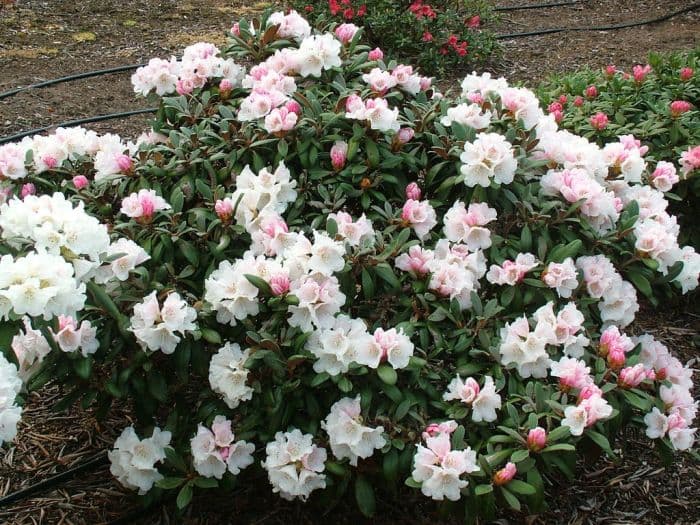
pixel 48 483
pixel 688 9
pixel 77 122
pixel 536 6
pixel 77 76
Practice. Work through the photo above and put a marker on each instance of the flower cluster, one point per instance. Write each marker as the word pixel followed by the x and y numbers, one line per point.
pixel 214 451
pixel 349 438
pixel 133 460
pixel 154 326
pixel 10 413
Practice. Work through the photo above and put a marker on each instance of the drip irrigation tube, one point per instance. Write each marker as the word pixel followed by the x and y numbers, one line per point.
pixel 688 9
pixel 536 6
pixel 48 483
pixel 77 122
pixel 77 76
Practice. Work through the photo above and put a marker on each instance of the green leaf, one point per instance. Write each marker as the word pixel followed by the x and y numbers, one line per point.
pixel 83 367
pixel 211 336
pixel 519 455
pixel 169 483
pixel 480 490
pixel 600 440
pixel 206 483
pixel 174 459
pixel 364 495
pixel 520 487
pixel 259 283
pixel 559 447
pixel 385 272
pixel 410 482
pixel 387 374
pixel 511 499
pixel 105 301
pixel 390 465
pixel 641 283
pixel 559 433
pixel 184 496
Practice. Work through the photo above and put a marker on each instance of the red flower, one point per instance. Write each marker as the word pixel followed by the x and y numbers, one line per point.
pixel 362 11
pixel 334 7
pixel 452 40
pixel 309 8
pixel 348 13
pixel 474 22
pixel 427 37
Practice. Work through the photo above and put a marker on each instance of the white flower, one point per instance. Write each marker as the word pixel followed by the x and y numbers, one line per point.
pixel 30 348
pixel 467 225
pixel 489 157
pixel 525 348
pixel 439 468
pixel 395 345
pixel 317 53
pixel 231 295
pixel 294 465
pixel 133 460
pixel 214 451
pixel 349 438
pixel 483 401
pixel 657 424
pixel 575 418
pixel 327 255
pixel 468 115
pixel 228 375
pixel 10 386
pixel 344 342
pixel 131 256
pixel 354 233
pixel 562 277
pixel 71 337
pixel 155 326
pixel 320 299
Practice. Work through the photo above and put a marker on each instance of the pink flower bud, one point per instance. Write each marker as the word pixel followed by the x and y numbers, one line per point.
pixel 124 162
pixel 405 135
pixel 578 101
pixel 504 475
pixel 640 72
pixel 678 107
pixel 27 189
pixel 50 161
pixel 236 29
pixel 610 70
pixel 80 181
pixel 474 22
pixel 339 154
pixel 599 121
pixel 293 107
pixel 631 376
pixel 475 98
pixel 413 191
pixel 536 439
pixel 558 116
pixel 376 54
pixel 224 209
pixel 563 99
pixel 427 37
pixel 279 284
pixel 346 32
pixel 686 74
pixel 184 86
pixel 425 83
pixel 616 359
pixel 225 85
pixel 554 106
pixel 591 92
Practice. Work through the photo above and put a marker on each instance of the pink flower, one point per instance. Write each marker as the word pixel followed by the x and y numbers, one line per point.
pixel 610 70
pixel 640 72
pixel 554 106
pixel 124 162
pixel 225 85
pixel 476 98
pixel 611 340
pixel 27 189
pixel 405 135
pixel 416 260
pixel 686 74
pixel 433 429
pixel 664 176
pixel 293 106
pixel 376 54
pixel 512 272
pixel 599 121
pixel 572 373
pixel 80 181
pixel 536 439
pixel 591 92
pixel 280 120
pixel 339 153
pixel 413 191
pixel 427 37
pixel 578 101
pixel 142 205
pixel 184 86
pixel 425 83
pixel 346 32
pixel 678 107
pixel 690 160
pixel 420 215
pixel 474 22
pixel 224 209
pixel 563 99
pixel 631 376
pixel 616 359
pixel 236 29
pixel 279 284
pixel 504 475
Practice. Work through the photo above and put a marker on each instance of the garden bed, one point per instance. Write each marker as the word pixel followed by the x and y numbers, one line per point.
pixel 632 491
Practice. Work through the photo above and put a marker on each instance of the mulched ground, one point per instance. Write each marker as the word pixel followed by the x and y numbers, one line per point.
pixel 41 40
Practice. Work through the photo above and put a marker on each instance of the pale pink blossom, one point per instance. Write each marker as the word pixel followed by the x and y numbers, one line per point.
pixel 339 153
pixel 690 160
pixel 536 439
pixel 664 176
pixel 405 135
pixel 279 284
pixel 346 32
pixel 512 272
pixel 631 376
pixel 224 209
pixel 375 54
pixel 280 120
pixel 80 182
pixel 27 189
pixel 416 260
pixel 141 206
pixel 599 121
pixel 413 191
pixel 420 215
pixel 572 373
pixel 640 72
pixel 504 475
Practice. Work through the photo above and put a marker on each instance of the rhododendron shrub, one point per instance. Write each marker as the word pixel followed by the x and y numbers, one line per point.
pixel 436 35
pixel 657 103
pixel 396 287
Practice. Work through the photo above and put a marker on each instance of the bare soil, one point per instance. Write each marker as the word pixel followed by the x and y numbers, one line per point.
pixel 46 39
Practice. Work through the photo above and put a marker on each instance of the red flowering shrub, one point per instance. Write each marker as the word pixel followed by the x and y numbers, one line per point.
pixel 436 35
